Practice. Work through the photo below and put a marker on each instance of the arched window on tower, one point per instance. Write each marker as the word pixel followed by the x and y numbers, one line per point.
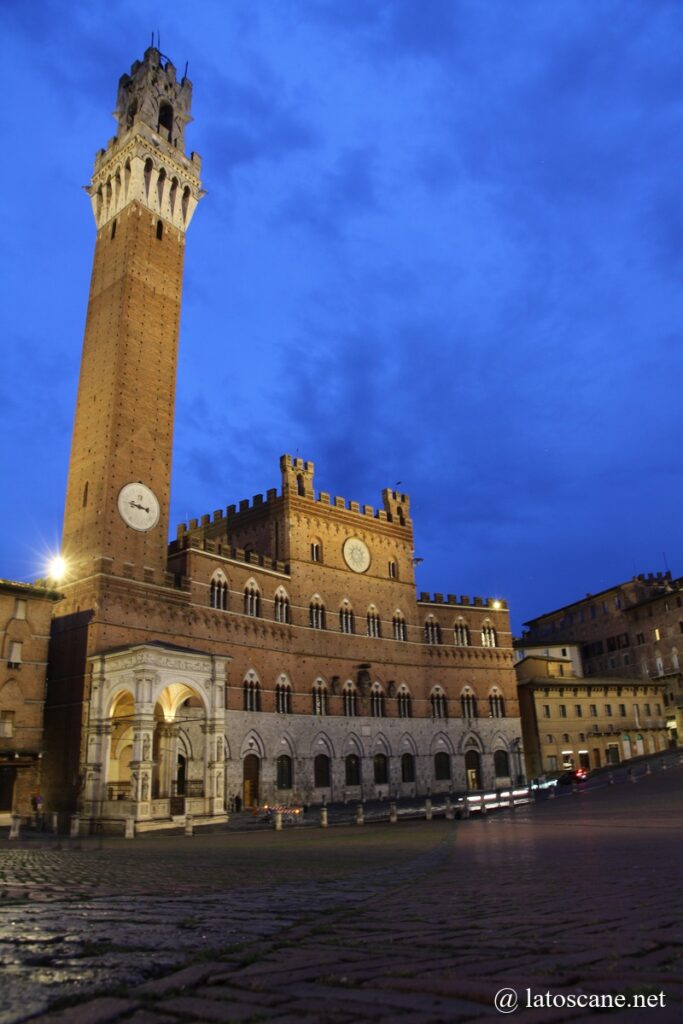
pixel 350 700
pixel 316 614
pixel 346 618
pixel 393 570
pixel 404 702
pixel 252 600
pixel 161 185
pixel 461 634
pixel 282 609
pixel 218 592
pixel 160 230
pixel 488 636
pixel 399 626
pixel 283 696
pixel 377 701
pixel 316 551
pixel 439 703
pixel 432 631
pixel 374 627
pixel 165 126
pixel 496 704
pixel 468 703
pixel 319 695
pixel 251 689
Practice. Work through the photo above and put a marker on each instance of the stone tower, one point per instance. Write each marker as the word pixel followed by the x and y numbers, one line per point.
pixel 144 191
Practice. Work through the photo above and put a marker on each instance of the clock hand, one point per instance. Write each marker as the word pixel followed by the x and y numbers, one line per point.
pixel 142 508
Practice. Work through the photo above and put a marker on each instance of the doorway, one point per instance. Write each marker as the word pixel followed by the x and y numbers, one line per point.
pixel 250 787
pixel 472 770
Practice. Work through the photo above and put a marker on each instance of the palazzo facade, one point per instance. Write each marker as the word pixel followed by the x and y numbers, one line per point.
pixel 277 650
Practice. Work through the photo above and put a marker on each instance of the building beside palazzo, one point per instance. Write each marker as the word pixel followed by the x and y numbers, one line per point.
pixel 25 614
pixel 573 721
pixel 277 650
pixel 626 640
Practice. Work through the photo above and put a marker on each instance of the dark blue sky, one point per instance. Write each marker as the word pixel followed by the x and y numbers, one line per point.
pixel 442 244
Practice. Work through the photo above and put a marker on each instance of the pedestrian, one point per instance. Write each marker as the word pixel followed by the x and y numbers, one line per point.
pixel 238 803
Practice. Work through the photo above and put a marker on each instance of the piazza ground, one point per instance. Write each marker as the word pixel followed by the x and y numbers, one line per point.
pixel 421 921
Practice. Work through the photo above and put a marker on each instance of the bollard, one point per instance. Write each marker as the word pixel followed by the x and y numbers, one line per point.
pixel 610 778
pixel 130 827
pixel 360 820
pixel 551 793
pixel 631 776
pixel 75 829
pixel 277 821
pixel 393 816
pixel 575 787
pixel 428 809
pixel 449 809
pixel 15 826
pixel 648 770
pixel 484 809
pixel 55 822
pixel 189 825
pixel 662 764
pixel 465 813
pixel 323 817
pixel 513 805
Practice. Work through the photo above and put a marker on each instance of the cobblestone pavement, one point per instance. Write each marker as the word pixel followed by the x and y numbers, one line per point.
pixel 577 896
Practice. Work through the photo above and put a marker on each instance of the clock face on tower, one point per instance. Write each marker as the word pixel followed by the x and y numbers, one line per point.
pixel 138 506
pixel 356 554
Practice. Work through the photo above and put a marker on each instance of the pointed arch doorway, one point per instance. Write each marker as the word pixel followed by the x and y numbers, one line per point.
pixel 250 780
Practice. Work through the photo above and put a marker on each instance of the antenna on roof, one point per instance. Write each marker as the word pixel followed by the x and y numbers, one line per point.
pixel 152 43
pixel 186 67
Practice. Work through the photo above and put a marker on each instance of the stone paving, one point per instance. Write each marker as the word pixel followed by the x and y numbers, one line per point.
pixel 424 921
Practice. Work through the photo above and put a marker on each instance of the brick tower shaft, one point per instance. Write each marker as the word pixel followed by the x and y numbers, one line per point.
pixel 144 192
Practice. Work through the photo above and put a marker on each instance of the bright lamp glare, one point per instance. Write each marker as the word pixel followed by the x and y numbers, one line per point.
pixel 57 568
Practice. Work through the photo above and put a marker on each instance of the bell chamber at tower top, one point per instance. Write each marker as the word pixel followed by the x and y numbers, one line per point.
pixel 145 161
